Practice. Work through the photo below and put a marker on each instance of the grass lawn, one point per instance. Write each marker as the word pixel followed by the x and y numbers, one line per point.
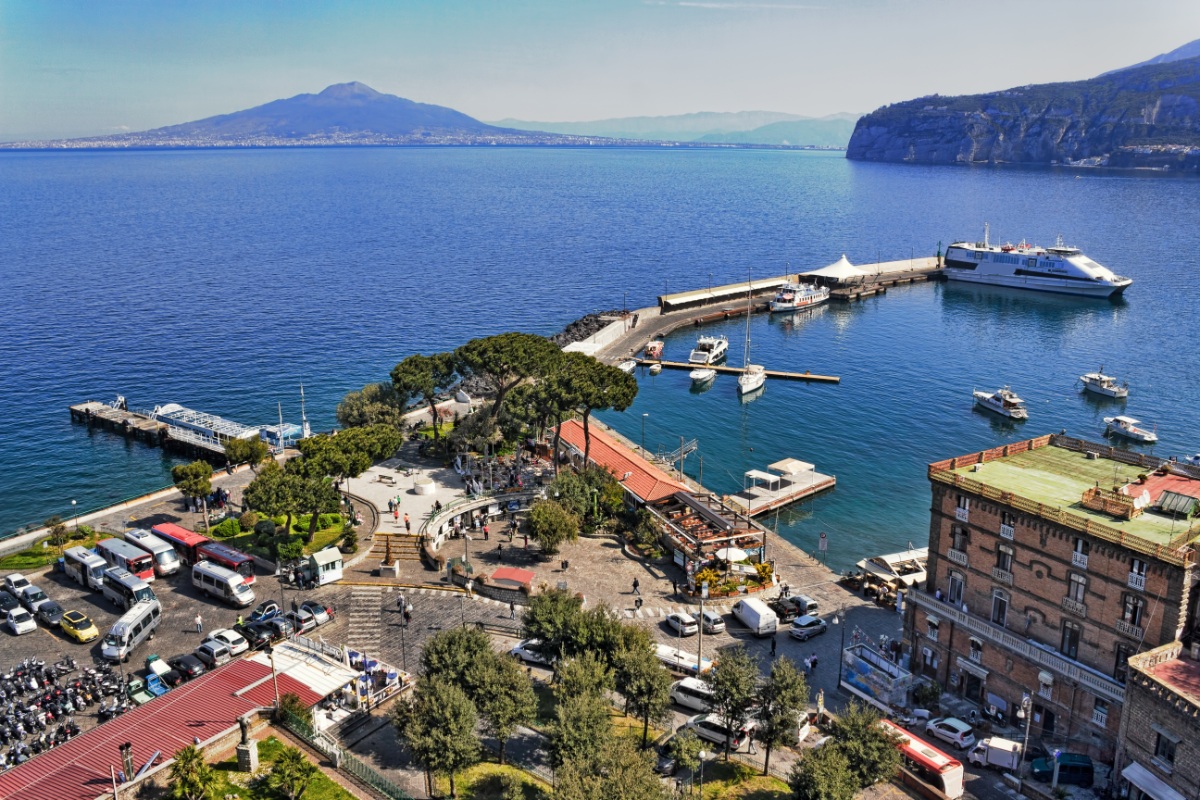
pixel 233 782
pixel 734 781
pixel 632 726
pixel 43 553
pixel 488 780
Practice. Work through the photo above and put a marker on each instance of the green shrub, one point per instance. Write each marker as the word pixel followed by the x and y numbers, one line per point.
pixel 265 528
pixel 248 521
pixel 350 542
pixel 226 529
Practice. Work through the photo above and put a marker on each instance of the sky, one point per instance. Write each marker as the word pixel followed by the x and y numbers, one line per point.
pixel 93 67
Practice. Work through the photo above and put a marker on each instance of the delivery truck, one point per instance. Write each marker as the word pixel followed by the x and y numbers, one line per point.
pixel 996 753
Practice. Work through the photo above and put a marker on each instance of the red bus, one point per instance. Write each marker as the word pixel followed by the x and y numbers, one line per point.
pixel 184 541
pixel 228 557
pixel 120 553
pixel 943 773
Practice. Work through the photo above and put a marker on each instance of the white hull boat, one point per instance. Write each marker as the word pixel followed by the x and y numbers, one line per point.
pixel 709 350
pixel 752 379
pixel 702 375
pixel 1003 402
pixel 1099 383
pixel 1128 427
pixel 627 366
pixel 793 297
pixel 655 369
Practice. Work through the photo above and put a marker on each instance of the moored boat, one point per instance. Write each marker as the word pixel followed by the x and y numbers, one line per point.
pixel 795 296
pixel 1128 427
pixel 702 375
pixel 709 350
pixel 1003 401
pixel 655 349
pixel 655 369
pixel 1099 383
pixel 628 366
pixel 753 375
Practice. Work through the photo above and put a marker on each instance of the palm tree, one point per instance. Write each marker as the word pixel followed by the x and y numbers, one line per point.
pixel 191 776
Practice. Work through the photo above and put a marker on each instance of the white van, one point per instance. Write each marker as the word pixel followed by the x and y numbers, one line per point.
pixel 85 567
pixel 126 589
pixel 166 560
pixel 710 728
pixel 134 627
pixel 226 584
pixel 691 693
pixel 754 614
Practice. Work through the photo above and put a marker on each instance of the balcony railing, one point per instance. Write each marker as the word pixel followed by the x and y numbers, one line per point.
pixel 1100 718
pixel 1008 532
pixel 1129 629
pixel 1137 581
pixel 976 656
pixel 962 514
pixel 1101 685
pixel 957 556
pixel 1079 560
pixel 1074 607
pixel 1002 575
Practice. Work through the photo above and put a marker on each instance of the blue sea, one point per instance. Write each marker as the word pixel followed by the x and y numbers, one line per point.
pixel 223 280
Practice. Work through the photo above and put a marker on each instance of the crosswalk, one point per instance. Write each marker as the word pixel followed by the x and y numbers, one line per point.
pixel 366 618
pixel 645 612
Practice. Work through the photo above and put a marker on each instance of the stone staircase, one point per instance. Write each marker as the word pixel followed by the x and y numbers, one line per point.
pixel 404 547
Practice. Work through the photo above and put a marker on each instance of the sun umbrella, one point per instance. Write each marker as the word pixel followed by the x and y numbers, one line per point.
pixel 731 554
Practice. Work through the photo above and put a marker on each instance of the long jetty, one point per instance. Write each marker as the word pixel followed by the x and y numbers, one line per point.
pixel 770 373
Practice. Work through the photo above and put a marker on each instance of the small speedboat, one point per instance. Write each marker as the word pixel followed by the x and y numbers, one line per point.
pixel 1128 427
pixel 702 375
pixel 1003 401
pixel 655 369
pixel 709 350
pixel 1099 383
pixel 654 349
pixel 628 366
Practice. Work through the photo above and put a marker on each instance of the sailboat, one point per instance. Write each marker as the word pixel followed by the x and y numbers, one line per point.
pixel 753 375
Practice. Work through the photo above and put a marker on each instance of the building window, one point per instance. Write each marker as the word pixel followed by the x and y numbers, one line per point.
pixel 1079 556
pixel 958 537
pixel 1082 546
pixel 932 632
pixel 957 582
pixel 1137 567
pixel 1004 558
pixel 1070 639
pixel 1132 609
pixel 1077 587
pixel 1121 671
pixel 999 607
pixel 1008 518
pixel 963 502
pixel 976 653
pixel 1164 749
pixel 1100 712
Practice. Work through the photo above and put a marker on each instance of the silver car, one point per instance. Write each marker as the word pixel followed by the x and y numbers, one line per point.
pixel 684 624
pixel 712 622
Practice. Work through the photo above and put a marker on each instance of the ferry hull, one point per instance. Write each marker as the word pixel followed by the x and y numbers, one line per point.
pixel 1077 288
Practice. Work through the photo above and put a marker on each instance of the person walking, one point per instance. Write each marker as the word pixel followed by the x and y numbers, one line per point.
pixel 637 587
pixel 239 620
pixel 470 588
pixel 486 534
pixel 774 644
pixel 199 624
pixel 396 515
pixel 512 609
pixel 408 609
pixel 500 552
pixel 813 661
pixel 391 505
pixel 407 523
pixel 400 604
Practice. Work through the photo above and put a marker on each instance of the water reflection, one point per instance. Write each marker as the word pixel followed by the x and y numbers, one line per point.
pixel 1052 313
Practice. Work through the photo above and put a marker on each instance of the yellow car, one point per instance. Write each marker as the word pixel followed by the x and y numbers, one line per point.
pixel 77 625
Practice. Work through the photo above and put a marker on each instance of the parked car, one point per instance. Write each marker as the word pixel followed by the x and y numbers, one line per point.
pixel 20 621
pixel 256 634
pixel 7 602
pixel 281 627
pixel 786 608
pixel 188 666
pixel 1072 768
pixel 50 613
pixel 952 731
pixel 529 651
pixel 264 611
pixel 302 620
pixel 683 623
pixel 710 728
pixel 712 622
pixel 321 612
pixel 165 672
pixel 79 627
pixel 806 627
pixel 31 597
pixel 15 582
pixel 236 643
pixel 665 763
pixel 212 654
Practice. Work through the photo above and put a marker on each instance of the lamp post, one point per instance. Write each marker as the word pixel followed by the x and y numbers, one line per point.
pixel 644 434
pixel 270 651
pixel 74 515
pixel 839 619
pixel 1024 713
pixel 703 755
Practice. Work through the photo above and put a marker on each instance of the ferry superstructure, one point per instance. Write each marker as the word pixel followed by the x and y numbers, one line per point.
pixel 1061 269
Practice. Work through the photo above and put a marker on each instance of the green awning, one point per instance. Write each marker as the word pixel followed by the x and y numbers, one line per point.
pixel 1175 503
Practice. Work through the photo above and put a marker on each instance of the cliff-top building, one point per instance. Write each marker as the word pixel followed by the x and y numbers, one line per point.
pixel 1051 562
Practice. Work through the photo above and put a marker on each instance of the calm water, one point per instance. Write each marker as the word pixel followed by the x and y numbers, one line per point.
pixel 222 280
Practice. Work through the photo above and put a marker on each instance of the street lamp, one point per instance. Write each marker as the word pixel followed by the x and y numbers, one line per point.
pixel 1024 713
pixel 270 651
pixel 839 619
pixel 73 514
pixel 703 755
pixel 644 434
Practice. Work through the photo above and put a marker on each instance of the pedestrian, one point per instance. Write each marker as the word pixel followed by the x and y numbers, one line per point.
pixel 407 523
pixel 486 534
pixel 637 587
pixel 637 603
pixel 400 602
pixel 407 615
pixel 470 588
pixel 774 644
pixel 500 552
pixel 813 660
pixel 396 515
pixel 199 624
pixel 239 619
pixel 808 665
pixel 674 587
pixel 512 609
pixel 391 505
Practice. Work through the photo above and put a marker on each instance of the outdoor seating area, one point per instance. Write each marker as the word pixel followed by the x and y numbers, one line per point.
pixel 700 526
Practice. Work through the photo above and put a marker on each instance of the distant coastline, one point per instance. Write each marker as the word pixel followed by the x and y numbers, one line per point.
pixel 547 142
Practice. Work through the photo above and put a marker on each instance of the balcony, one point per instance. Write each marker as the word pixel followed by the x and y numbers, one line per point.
pixel 957 556
pixel 1135 581
pixel 1098 683
pixel 962 514
pixel 1008 532
pixel 1129 629
pixel 1074 607
pixel 1079 560
pixel 1100 718
pixel 1002 576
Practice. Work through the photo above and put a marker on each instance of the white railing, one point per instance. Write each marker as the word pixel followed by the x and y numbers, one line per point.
pixel 1002 575
pixel 1079 560
pixel 957 556
pixel 1129 629
pixel 962 514
pixel 1100 684
pixel 1074 606
pixel 1008 532
pixel 1100 718
pixel 1137 581
pixel 976 656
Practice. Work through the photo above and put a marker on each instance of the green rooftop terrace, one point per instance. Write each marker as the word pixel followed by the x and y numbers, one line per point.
pixel 1055 478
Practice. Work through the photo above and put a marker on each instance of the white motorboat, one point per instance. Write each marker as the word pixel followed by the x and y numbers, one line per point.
pixel 702 375
pixel 795 296
pixel 709 350
pixel 1060 269
pixel 907 566
pixel 753 375
pixel 1193 460
pixel 1002 401
pixel 628 366
pixel 1099 383
pixel 655 369
pixel 1128 427
pixel 655 349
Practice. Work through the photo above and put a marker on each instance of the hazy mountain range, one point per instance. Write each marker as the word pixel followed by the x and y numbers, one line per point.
pixel 1189 50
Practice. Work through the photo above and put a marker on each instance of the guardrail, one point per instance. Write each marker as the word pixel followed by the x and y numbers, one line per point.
pixel 341 758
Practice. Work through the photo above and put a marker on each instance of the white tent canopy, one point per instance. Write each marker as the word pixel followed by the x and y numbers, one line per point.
pixel 839 270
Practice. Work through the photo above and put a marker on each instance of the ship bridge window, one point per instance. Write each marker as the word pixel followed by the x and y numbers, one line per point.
pixel 1031 262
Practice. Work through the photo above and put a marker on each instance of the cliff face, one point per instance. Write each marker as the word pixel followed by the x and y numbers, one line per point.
pixel 1143 117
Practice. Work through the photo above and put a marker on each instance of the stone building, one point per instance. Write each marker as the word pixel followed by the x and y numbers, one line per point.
pixel 1050 564
pixel 1159 752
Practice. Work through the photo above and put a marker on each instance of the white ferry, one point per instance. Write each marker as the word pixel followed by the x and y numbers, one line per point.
pixel 709 350
pixel 1060 269
pixel 793 296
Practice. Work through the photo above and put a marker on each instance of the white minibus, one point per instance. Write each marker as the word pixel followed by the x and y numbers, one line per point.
pixel 226 584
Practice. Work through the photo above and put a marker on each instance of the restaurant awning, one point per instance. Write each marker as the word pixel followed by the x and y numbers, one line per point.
pixel 1149 783
pixel 323 675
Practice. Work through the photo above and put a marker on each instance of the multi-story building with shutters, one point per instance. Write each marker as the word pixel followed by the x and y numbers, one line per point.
pixel 1051 562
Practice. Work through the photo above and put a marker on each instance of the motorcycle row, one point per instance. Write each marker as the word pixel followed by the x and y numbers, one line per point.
pixel 38 702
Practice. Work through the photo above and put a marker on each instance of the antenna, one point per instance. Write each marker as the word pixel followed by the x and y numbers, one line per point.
pixel 305 430
pixel 986 230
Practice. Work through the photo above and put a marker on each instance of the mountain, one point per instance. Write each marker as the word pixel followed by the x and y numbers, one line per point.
pixel 1147 117
pixel 703 126
pixel 825 132
pixel 1189 50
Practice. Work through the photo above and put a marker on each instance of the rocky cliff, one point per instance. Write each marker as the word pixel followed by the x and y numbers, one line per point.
pixel 1147 117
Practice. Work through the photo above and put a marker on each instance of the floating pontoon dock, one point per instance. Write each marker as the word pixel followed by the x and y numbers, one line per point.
pixel 771 373
pixel 790 480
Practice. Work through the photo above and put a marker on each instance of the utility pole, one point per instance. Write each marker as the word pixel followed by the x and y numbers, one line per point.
pixel 700 480
pixel 681 459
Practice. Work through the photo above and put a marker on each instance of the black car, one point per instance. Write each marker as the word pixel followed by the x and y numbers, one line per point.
pixel 258 634
pixel 188 665
pixel 786 608
pixel 7 602
pixel 172 678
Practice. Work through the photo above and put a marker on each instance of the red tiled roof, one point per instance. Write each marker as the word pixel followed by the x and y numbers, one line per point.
pixel 1182 675
pixel 646 481
pixel 518 576
pixel 205 707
